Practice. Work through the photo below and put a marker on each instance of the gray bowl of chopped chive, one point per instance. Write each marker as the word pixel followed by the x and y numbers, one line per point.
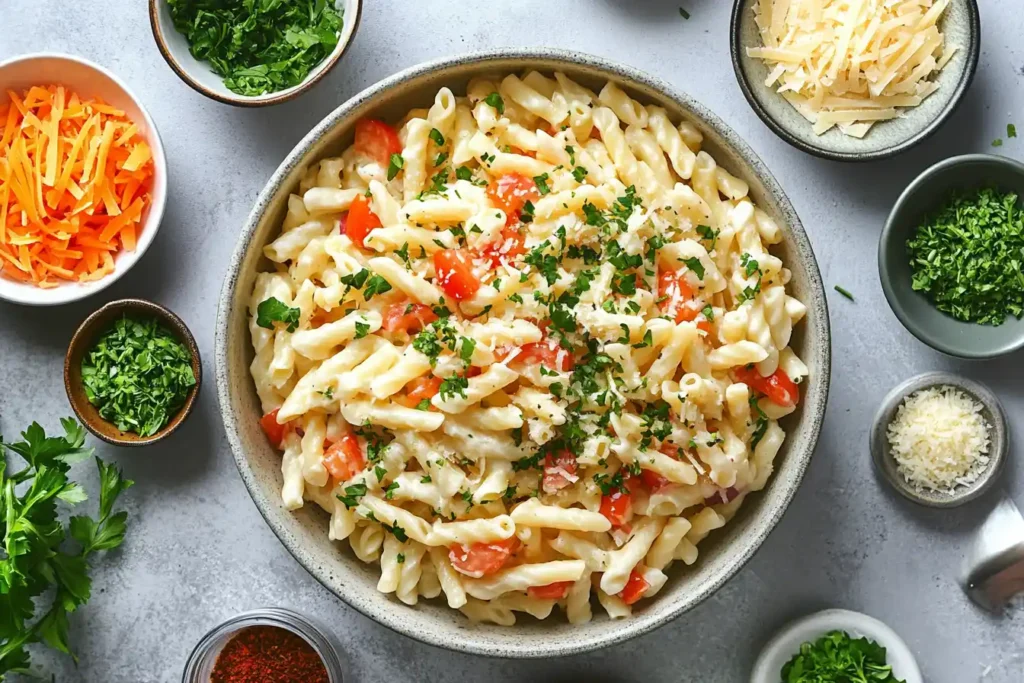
pixel 951 256
pixel 253 54
pixel 132 372
pixel 985 471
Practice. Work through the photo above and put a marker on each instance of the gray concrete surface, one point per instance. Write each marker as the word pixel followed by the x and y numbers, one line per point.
pixel 197 549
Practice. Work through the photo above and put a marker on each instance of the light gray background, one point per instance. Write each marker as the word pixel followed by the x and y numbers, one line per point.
pixel 198 551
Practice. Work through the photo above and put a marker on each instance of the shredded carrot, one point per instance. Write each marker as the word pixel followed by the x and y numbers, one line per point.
pixel 76 178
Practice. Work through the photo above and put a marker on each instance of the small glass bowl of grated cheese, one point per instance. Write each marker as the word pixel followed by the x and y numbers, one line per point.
pixel 940 439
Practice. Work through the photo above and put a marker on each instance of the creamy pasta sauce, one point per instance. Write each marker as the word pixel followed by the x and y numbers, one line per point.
pixel 527 347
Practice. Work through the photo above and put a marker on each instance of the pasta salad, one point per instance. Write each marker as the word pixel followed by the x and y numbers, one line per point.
pixel 527 347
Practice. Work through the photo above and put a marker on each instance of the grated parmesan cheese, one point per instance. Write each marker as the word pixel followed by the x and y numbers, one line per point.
pixel 851 63
pixel 939 439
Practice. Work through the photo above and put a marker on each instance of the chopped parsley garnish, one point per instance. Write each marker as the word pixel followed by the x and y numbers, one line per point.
pixel 352 494
pixel 542 183
pixel 376 285
pixel 998 142
pixel 466 348
pixel 836 656
pixel 526 213
pixel 138 375
pixel 398 532
pixel 436 136
pixel 750 266
pixel 694 264
pixel 683 13
pixel 389 490
pixel 400 558
pixel 355 280
pixel 967 255
pixel 648 340
pixel 441 158
pixel 1011 130
pixel 708 312
pixel 708 234
pixel 258 47
pixel 452 386
pixel 424 404
pixel 844 292
pixel 274 310
pixel 579 173
pixel 494 100
pixel 546 264
pixel 396 164
pixel 362 329
pixel 464 173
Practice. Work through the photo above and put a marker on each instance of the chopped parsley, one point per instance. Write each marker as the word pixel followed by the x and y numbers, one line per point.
pixel 436 136
pixel 274 310
pixel 362 329
pixel 694 264
pixel 376 285
pixel 494 100
pixel 683 13
pixel 396 164
pixel 844 292
pixel 452 386
pixel 542 183
pixel 352 495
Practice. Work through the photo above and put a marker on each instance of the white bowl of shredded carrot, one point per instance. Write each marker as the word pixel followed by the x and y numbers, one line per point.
pixel 83 179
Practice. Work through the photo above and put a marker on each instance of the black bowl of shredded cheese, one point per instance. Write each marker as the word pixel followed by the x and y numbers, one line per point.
pixel 940 439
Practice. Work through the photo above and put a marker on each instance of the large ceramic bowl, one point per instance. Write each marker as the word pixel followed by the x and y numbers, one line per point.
pixel 304 532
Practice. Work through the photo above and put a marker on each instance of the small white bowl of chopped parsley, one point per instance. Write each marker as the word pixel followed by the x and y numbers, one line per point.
pixel 951 256
pixel 253 54
pixel 836 646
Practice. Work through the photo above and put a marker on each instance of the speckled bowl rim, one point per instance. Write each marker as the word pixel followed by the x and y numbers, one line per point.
pixel 517 644
pixel 885 244
pixel 972 50
pixel 999 433
pixel 241 100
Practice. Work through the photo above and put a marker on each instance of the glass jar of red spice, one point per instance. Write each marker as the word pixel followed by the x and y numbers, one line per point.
pixel 243 645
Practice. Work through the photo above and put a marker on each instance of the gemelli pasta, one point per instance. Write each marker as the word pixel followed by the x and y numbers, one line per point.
pixel 527 347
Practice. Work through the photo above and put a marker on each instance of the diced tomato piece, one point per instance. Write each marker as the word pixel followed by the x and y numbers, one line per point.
pixel 422 387
pixel 507 247
pixel 547 353
pixel 559 471
pixel 473 371
pixel 552 591
pixel 344 459
pixel 360 220
pixel 679 299
pixel 455 274
pixel 377 140
pixel 407 317
pixel 273 430
pixel 654 481
pixel 617 507
pixel 510 193
pixel 481 559
pixel 778 387
pixel 635 588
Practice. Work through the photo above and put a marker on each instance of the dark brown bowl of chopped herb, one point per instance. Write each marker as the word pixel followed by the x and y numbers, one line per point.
pixel 132 372
pixel 951 256
pixel 253 54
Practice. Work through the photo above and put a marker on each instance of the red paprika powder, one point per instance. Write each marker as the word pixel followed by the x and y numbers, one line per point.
pixel 268 654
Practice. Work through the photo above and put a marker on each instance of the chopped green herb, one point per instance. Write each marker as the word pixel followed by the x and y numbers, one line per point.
pixel 838 657
pixel 396 164
pixel 362 329
pixel 998 142
pixel 494 100
pixel 437 137
pixel 542 183
pixel 138 375
pixel 274 310
pixel 376 285
pixel 389 490
pixel 258 47
pixel 708 312
pixel 352 494
pixel 452 386
pixel 425 479
pixel 844 292
pixel 1011 130
pixel 694 264
pixel 708 234
pixel 579 173
pixel 441 158
pixel 357 279
pixel 424 404
pixel 683 13
pixel 967 257
pixel 400 558
pixel 466 348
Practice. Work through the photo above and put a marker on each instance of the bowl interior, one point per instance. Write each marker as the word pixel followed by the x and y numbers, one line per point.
pixel 914 309
pixel 959 23
pixel 991 411
pixel 88 80
pixel 202 78
pixel 81 343
pixel 304 532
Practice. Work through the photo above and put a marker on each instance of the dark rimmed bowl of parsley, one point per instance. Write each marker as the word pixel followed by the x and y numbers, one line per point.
pixel 253 54
pixel 132 372
pixel 951 256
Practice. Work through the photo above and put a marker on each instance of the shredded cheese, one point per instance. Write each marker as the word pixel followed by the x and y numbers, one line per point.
pixel 939 439
pixel 850 63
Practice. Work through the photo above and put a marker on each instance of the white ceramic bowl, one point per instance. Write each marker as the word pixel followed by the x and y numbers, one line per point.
pixel 88 80
pixel 304 531
pixel 786 643
pixel 200 77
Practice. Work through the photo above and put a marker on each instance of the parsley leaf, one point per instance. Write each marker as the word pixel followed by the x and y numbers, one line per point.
pixel 352 494
pixel 494 100
pixel 274 310
pixel 694 264
pixel 452 386
pixel 362 329
pixel 396 164
pixel 376 285
pixel 838 657
pixel 542 183
pixel 436 136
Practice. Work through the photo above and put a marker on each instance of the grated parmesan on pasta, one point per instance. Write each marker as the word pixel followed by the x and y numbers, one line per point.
pixel 851 63
pixel 939 439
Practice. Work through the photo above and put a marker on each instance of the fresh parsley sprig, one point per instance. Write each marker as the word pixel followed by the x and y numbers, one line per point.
pixel 40 553
pixel 838 657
